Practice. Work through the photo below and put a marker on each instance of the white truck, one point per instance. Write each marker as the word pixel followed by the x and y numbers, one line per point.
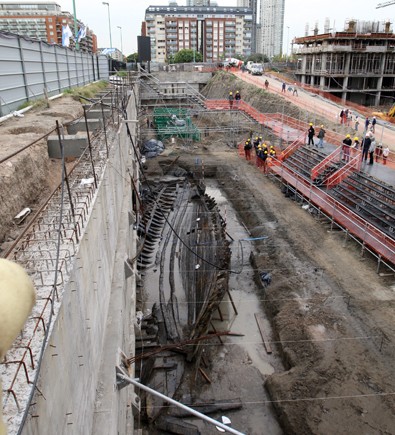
pixel 256 69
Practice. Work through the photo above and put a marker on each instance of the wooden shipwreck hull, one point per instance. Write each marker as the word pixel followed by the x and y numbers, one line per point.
pixel 184 264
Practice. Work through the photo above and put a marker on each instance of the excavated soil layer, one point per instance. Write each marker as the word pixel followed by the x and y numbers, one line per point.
pixel 332 315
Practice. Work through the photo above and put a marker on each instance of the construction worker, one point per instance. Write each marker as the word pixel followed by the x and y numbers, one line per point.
pixel 272 151
pixel 374 122
pixel 310 134
pixel 237 98
pixel 355 143
pixel 258 156
pixel 347 142
pixel 256 142
pixel 378 152
pixel 365 146
pixel 386 153
pixel 321 135
pixel 264 156
pixel 230 98
pixel 247 149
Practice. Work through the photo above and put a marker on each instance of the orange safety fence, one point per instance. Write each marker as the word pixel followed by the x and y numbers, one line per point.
pixel 331 136
pixel 298 143
pixel 267 118
pixel 354 164
pixel 333 157
pixel 366 232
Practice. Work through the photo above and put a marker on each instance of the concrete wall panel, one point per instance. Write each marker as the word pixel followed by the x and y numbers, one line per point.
pixel 96 317
pixel 25 65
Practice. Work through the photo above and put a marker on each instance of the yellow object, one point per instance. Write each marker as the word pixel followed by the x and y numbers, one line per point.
pixel 17 297
pixel 348 135
pixel 355 138
pixel 311 123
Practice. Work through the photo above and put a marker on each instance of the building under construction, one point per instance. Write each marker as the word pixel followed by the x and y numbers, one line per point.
pixel 357 64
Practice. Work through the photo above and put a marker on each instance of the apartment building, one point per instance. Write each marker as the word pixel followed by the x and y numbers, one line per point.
pixel 42 21
pixel 357 64
pixel 271 27
pixel 253 5
pixel 216 32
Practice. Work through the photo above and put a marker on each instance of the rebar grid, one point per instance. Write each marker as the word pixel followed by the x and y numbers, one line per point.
pixel 37 251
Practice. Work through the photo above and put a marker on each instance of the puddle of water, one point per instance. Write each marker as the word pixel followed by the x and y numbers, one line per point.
pixel 243 291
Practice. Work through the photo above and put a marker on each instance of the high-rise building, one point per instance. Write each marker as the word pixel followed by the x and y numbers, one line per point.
pixel 42 21
pixel 215 31
pixel 272 27
pixel 252 4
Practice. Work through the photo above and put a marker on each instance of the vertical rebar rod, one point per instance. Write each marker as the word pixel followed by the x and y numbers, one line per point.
pixel 90 147
pixel 104 127
pixel 66 178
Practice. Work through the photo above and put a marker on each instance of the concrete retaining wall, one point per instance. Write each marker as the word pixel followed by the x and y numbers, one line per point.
pixel 77 385
pixel 193 78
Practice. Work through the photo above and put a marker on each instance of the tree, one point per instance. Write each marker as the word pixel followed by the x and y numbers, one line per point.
pixel 258 58
pixel 186 56
pixel 132 57
pixel 239 56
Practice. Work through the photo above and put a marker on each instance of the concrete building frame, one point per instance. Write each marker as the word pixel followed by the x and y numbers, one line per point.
pixel 357 67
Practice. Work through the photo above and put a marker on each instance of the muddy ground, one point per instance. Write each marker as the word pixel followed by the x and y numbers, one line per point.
pixel 332 315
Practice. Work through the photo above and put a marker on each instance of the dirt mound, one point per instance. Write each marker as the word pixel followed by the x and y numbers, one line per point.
pixel 24 179
pixel 265 102
pixel 28 177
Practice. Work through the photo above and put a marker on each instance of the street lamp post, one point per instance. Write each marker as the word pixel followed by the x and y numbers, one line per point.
pixel 120 28
pixel 109 21
pixel 75 26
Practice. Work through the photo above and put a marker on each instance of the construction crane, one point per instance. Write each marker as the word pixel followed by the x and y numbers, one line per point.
pixel 385 4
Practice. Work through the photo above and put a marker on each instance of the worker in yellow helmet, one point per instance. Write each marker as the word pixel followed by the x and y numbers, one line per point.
pixel 237 98
pixel 230 98
pixel 264 156
pixel 347 142
pixel 356 143
pixel 256 143
pixel 247 149
pixel 310 134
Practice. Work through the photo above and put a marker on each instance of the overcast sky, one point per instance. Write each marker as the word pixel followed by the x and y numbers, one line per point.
pixel 129 14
